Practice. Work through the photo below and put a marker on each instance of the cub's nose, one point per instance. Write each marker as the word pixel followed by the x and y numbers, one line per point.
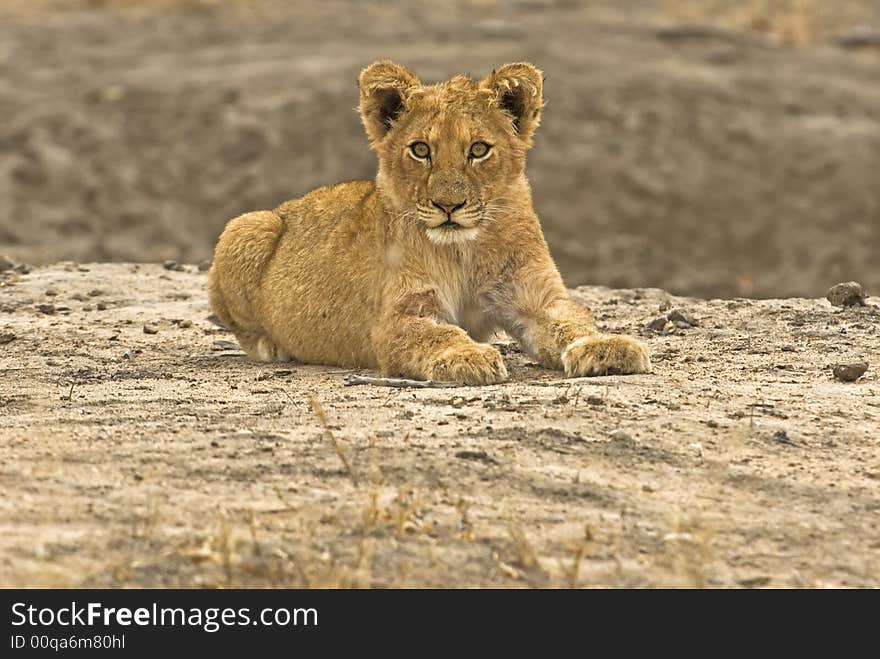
pixel 448 207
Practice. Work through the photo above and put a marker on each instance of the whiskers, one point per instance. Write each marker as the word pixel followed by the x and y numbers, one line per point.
pixel 499 208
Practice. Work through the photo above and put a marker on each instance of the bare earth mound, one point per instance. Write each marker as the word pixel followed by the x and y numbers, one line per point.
pixel 140 448
pixel 708 161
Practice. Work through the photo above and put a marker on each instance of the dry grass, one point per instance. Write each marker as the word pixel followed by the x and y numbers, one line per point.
pixel 318 409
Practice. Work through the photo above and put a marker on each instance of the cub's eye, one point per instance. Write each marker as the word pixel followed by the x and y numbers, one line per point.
pixel 479 150
pixel 420 150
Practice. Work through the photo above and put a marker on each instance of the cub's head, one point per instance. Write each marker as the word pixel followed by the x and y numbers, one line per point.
pixel 451 155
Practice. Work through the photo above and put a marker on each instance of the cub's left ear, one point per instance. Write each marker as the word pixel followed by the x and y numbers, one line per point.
pixel 518 90
pixel 385 86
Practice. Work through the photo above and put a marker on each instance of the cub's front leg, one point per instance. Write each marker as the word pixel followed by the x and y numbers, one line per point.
pixel 561 334
pixel 414 338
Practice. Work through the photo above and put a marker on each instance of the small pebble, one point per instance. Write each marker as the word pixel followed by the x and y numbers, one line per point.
pixel 621 436
pixel 185 323
pixel 849 372
pixel 682 318
pixel 173 265
pixel 101 306
pixel 6 337
pixel 204 266
pixel 782 437
pixel 51 292
pixel 47 309
pixel 658 324
pixel 847 294
pixel 149 329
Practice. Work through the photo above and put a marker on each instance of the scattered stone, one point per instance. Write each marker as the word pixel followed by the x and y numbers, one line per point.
pixel 676 318
pixel 51 292
pixel 205 265
pixel 621 436
pixel 101 306
pixel 712 423
pixel 849 372
pixel 755 582
pixel 95 292
pixel 6 337
pixel 22 268
pixel 682 318
pixel 185 323
pixel 782 437
pixel 48 309
pixel 149 329
pixel 847 294
pixel 481 456
pixel 173 265
pixel 595 400
pixel 215 320
pixel 6 263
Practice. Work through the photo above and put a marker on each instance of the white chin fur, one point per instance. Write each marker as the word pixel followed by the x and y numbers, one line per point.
pixel 452 236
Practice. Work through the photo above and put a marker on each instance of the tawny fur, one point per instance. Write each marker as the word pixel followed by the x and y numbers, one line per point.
pixel 367 274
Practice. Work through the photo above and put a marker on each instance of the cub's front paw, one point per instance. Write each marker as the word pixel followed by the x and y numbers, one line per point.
pixel 470 364
pixel 604 354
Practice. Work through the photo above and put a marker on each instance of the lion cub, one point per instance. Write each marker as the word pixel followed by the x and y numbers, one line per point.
pixel 414 271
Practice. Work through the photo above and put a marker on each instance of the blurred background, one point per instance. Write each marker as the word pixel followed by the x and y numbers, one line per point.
pixel 715 148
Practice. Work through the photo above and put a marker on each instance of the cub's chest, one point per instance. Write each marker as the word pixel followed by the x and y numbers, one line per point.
pixel 468 305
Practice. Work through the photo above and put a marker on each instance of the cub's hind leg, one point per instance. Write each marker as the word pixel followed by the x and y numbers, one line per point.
pixel 243 251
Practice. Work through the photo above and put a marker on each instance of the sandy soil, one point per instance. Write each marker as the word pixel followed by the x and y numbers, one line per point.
pixel 675 151
pixel 166 459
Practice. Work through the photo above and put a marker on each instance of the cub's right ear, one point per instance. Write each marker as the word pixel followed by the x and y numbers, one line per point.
pixel 384 87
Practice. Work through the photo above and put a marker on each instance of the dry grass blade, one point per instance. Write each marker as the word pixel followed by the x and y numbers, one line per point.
pixel 526 557
pixel 318 409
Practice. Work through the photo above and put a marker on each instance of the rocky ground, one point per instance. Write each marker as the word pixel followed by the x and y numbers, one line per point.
pixel 138 447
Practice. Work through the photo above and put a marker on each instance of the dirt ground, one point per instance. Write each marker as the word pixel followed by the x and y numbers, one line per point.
pixel 161 457
pixel 711 148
